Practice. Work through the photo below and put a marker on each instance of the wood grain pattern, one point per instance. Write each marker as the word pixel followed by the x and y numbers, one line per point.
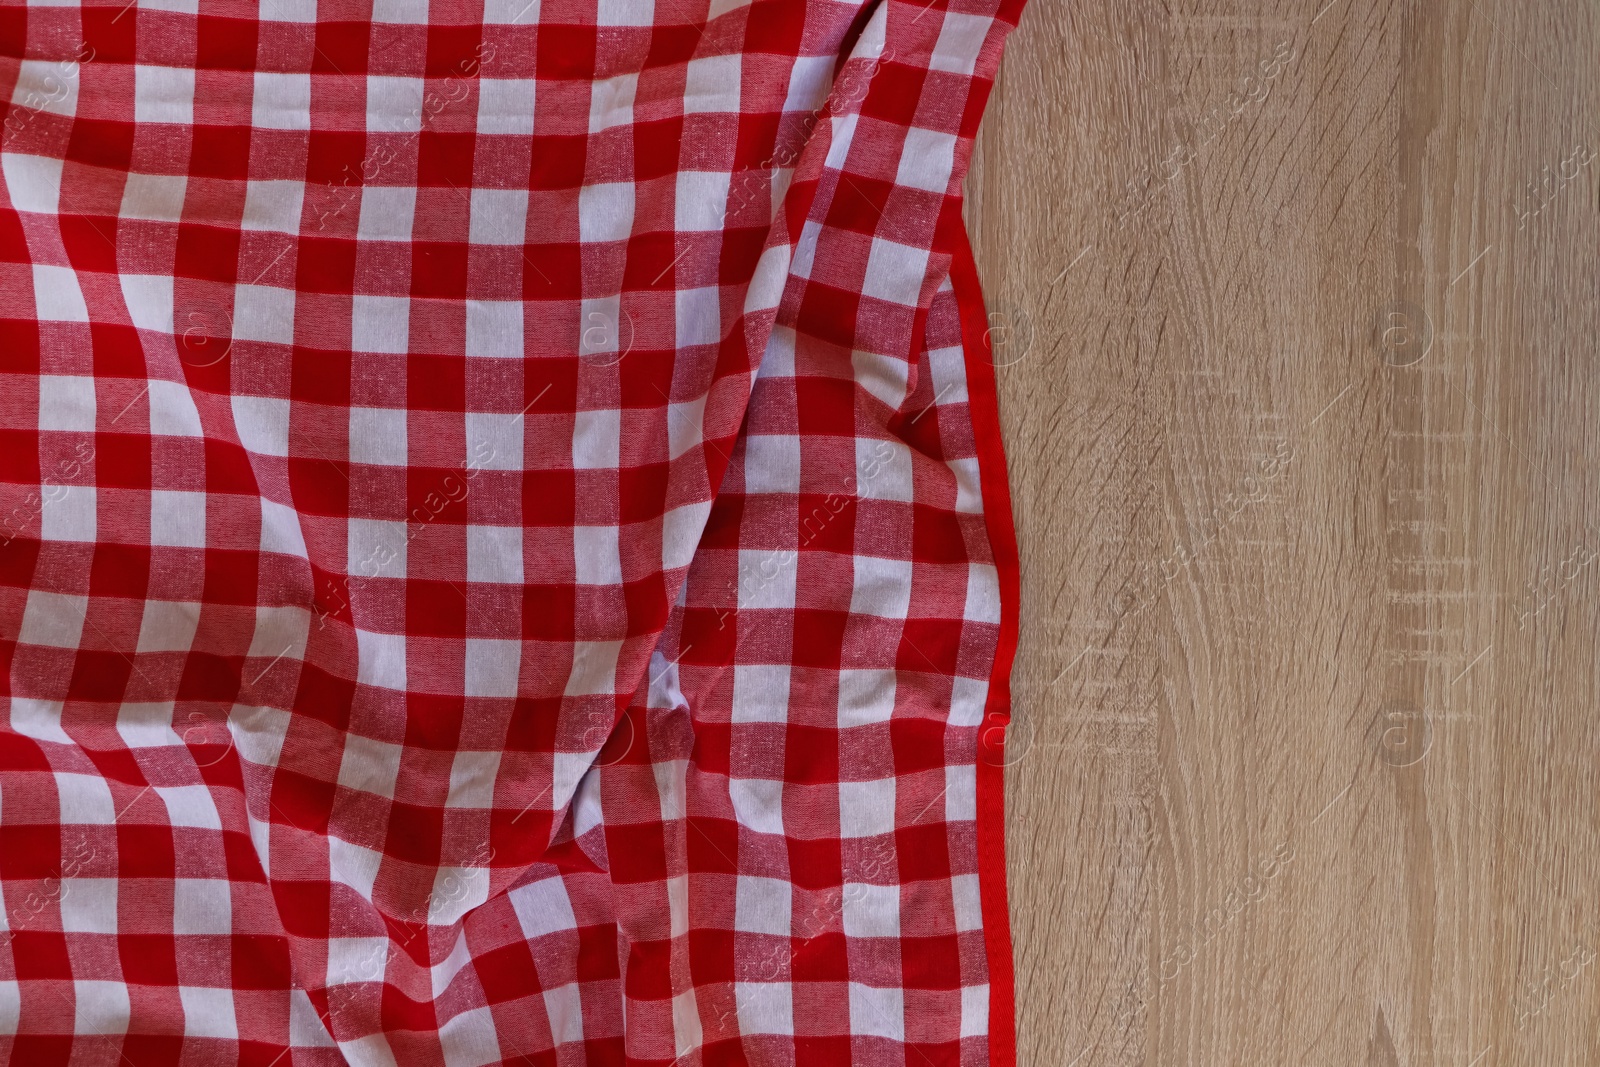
pixel 1296 311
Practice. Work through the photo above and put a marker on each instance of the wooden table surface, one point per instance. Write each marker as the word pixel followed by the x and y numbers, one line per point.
pixel 1296 312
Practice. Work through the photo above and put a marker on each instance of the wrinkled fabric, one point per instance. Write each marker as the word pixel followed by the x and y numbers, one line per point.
pixel 503 550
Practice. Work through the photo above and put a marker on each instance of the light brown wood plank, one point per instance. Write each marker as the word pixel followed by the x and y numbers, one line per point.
pixel 1300 392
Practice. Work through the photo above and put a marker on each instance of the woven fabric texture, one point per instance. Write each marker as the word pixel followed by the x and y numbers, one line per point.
pixel 495 565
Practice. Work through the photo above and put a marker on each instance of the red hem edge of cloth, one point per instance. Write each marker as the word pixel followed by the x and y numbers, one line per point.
pixel 983 403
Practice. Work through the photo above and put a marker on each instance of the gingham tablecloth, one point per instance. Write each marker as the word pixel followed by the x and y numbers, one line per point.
pixel 504 545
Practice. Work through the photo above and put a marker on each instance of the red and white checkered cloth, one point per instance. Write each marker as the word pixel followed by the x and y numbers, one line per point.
pixel 504 548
